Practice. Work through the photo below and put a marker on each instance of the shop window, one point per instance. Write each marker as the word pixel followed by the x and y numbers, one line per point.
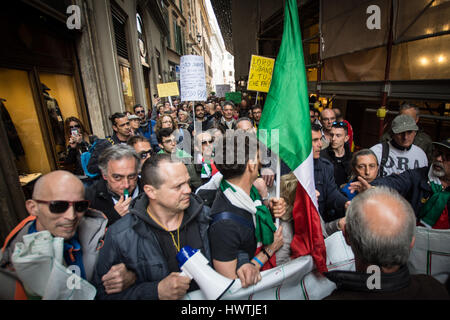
pixel 19 104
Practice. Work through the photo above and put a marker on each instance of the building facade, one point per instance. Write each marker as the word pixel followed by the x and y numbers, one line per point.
pixel 86 59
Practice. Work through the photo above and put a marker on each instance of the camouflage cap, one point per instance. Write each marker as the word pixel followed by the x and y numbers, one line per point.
pixel 402 123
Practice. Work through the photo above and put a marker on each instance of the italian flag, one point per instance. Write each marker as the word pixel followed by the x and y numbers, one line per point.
pixel 286 112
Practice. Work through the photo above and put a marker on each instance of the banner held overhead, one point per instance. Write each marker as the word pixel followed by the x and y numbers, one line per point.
pixel 192 78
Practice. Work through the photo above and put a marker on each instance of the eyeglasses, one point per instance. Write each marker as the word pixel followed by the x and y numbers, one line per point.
pixel 77 126
pixel 61 206
pixel 145 154
pixel 119 177
pixel 340 124
pixel 140 111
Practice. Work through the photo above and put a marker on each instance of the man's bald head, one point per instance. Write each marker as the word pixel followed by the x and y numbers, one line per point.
pixel 53 182
pixel 380 227
pixel 56 186
pixel 327 117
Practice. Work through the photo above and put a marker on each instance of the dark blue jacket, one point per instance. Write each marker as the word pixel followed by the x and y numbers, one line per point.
pixel 148 131
pixel 132 241
pixel 412 185
pixel 331 200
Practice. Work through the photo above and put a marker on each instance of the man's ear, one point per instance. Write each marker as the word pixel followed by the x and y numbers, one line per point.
pixel 150 191
pixel 114 128
pixel 347 137
pixel 413 241
pixel 32 207
pixel 344 232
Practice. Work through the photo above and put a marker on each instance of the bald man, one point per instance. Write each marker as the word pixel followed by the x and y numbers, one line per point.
pixel 58 206
pixel 380 229
pixel 327 117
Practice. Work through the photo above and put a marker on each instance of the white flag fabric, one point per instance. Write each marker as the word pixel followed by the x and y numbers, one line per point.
pixel 38 262
pixel 431 253
pixel 295 280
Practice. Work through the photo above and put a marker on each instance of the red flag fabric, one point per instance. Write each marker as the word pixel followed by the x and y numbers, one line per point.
pixel 308 238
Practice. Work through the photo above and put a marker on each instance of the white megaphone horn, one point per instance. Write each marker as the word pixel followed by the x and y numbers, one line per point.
pixel 194 265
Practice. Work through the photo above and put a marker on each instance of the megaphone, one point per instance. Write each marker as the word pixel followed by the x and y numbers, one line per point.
pixel 194 265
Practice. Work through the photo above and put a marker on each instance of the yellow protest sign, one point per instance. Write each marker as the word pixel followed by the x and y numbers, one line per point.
pixel 260 75
pixel 168 89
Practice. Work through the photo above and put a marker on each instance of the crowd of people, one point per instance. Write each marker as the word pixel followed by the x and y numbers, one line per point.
pixel 160 182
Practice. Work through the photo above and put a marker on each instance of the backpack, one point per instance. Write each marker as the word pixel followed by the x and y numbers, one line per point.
pixel 86 156
pixel 384 157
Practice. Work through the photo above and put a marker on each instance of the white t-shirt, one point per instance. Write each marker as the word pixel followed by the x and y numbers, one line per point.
pixel 401 160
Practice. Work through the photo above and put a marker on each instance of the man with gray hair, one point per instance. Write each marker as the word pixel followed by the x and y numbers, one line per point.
pixel 119 165
pixel 380 229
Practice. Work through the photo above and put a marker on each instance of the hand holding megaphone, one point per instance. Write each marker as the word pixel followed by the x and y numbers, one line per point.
pixel 194 265
pixel 173 287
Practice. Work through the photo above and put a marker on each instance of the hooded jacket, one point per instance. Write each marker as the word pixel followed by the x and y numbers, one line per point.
pixel 91 231
pixel 132 240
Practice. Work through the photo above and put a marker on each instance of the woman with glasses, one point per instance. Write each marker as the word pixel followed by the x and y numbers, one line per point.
pixel 77 140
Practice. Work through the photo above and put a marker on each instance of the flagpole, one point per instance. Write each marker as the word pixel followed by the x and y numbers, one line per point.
pixel 277 187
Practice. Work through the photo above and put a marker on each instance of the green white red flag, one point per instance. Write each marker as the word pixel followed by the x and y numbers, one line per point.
pixel 286 114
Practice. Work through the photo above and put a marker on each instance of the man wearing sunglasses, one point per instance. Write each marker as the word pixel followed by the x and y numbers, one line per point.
pixel 142 147
pixel 58 206
pixel 427 188
pixel 147 126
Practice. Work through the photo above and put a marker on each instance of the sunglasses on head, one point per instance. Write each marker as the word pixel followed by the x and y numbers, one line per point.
pixel 61 206
pixel 339 124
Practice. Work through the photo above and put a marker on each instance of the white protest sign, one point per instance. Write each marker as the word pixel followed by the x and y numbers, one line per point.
pixel 221 89
pixel 192 78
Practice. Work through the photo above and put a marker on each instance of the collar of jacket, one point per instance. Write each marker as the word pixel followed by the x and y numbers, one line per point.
pixel 138 208
pixel 399 147
pixel 357 281
pixel 347 154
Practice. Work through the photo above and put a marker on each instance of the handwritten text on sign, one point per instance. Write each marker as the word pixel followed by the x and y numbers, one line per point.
pixel 192 78
pixel 260 76
pixel 168 89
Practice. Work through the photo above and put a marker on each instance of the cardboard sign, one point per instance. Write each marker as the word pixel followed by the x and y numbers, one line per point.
pixel 236 97
pixel 260 75
pixel 168 89
pixel 192 78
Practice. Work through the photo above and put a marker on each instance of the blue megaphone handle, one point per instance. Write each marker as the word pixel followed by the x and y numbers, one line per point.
pixel 185 253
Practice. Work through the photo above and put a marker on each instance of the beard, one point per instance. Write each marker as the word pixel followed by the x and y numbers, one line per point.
pixel 438 173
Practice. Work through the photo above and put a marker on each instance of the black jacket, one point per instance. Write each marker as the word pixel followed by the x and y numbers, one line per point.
pixel 342 166
pixel 132 241
pixel 331 200
pixel 101 199
pixel 412 185
pixel 398 285
pixel 101 145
